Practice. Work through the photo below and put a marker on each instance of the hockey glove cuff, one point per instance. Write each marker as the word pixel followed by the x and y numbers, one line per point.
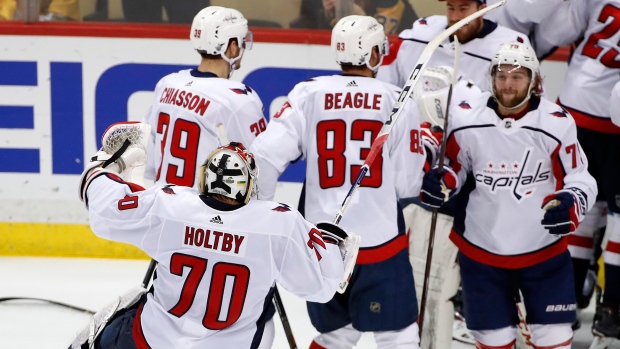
pixel 561 213
pixel 438 188
pixel 431 140
pixel 348 243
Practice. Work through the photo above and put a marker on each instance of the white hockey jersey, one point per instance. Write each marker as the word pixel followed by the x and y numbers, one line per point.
pixel 187 107
pixel 594 67
pixel 506 168
pixel 475 56
pixel 524 17
pixel 215 266
pixel 332 121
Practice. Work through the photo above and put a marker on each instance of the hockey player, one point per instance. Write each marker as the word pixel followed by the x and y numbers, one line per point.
pixel 516 155
pixel 332 121
pixel 479 39
pixel 524 17
pixel 190 103
pixel 219 252
pixel 593 72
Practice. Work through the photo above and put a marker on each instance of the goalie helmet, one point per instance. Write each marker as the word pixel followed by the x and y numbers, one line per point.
pixel 231 171
pixel 353 39
pixel 214 26
pixel 518 55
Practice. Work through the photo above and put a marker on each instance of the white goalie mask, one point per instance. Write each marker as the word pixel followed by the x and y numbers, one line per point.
pixel 431 92
pixel 230 171
pixel 518 55
pixel 353 39
pixel 214 26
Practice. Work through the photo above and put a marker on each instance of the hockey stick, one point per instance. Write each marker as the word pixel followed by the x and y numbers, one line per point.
pixel 277 300
pixel 377 144
pixel 74 307
pixel 441 157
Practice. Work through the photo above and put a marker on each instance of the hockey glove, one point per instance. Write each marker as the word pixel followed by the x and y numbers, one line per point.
pixel 431 140
pixel 349 245
pixel 438 188
pixel 561 213
pixel 123 152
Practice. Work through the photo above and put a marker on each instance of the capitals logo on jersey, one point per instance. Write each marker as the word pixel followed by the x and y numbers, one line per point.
pixel 511 175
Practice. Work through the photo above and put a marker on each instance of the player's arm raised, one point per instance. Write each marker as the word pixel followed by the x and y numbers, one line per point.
pixel 278 146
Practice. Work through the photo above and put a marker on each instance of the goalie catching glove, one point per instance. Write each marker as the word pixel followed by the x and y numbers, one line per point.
pixel 561 213
pixel 349 245
pixel 438 188
pixel 123 152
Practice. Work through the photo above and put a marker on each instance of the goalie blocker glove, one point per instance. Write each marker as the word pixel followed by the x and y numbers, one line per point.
pixel 438 188
pixel 349 245
pixel 562 212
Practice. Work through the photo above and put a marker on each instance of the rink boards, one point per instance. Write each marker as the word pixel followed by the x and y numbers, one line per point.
pixel 62 85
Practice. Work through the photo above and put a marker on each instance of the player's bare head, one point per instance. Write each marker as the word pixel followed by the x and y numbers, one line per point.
pixel 229 171
pixel 355 38
pixel 459 9
pixel 215 30
pixel 514 74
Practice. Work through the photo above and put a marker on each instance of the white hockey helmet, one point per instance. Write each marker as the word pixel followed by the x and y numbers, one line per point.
pixel 518 55
pixel 214 26
pixel 353 39
pixel 230 171
pixel 432 88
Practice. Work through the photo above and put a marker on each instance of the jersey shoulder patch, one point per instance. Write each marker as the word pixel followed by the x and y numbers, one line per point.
pixel 282 208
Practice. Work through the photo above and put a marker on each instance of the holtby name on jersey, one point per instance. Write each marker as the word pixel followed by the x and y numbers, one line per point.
pixel 217 241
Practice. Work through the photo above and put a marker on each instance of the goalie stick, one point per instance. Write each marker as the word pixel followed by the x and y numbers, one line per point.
pixel 377 144
pixel 441 156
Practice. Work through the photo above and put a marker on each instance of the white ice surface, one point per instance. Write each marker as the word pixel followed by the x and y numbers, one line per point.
pixel 92 283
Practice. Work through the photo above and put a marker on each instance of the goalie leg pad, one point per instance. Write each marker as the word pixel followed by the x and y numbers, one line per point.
pixel 444 274
pixel 87 336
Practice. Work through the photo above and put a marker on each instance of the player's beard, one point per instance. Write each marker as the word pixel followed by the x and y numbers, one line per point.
pixel 469 30
pixel 510 98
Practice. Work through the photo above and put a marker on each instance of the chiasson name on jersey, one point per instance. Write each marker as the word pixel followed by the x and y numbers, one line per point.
pixel 214 240
pixel 184 99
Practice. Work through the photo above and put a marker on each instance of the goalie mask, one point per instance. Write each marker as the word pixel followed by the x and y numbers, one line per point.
pixel 517 55
pixel 353 39
pixel 231 171
pixel 214 26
